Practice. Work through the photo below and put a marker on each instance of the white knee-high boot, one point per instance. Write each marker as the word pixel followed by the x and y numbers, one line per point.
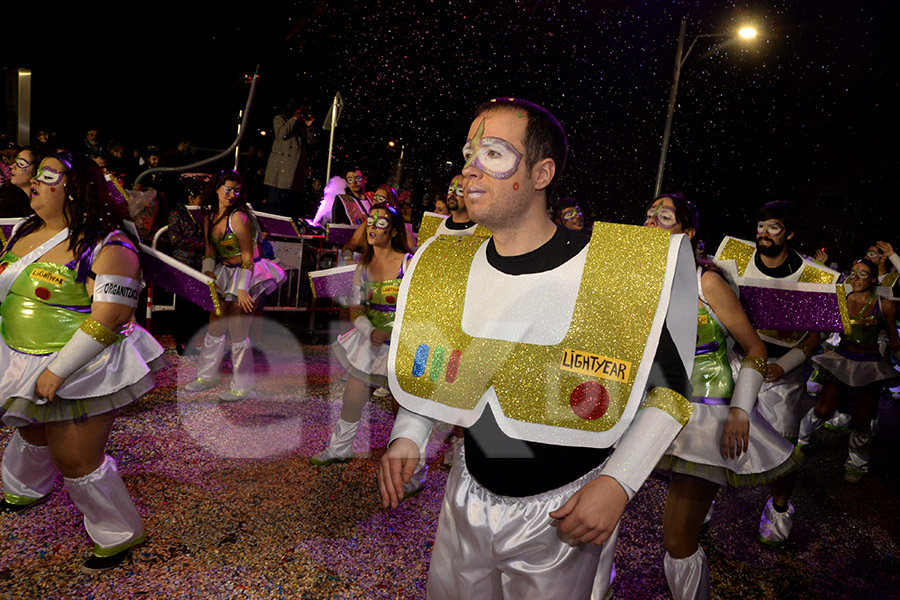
pixel 28 471
pixel 244 375
pixel 688 578
pixel 859 450
pixel 110 517
pixel 340 448
pixel 808 426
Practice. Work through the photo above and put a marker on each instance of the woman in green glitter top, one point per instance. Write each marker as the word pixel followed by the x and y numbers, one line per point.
pixel 363 350
pixel 70 355
pixel 725 442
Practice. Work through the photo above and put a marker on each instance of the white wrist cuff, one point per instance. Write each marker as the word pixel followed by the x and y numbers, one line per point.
pixel 790 361
pixel 77 352
pixel 364 326
pixel 638 451
pixel 746 389
pixel 244 279
pixel 116 289
pixel 208 265
pixel 413 427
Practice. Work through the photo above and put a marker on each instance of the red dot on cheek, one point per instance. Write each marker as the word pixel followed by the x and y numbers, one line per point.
pixel 516 185
pixel 52 189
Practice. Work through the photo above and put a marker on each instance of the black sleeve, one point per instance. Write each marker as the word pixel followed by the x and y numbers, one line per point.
pixel 667 370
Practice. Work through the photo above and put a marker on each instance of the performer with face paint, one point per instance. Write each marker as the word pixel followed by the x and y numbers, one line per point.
pixel 458 221
pixel 856 365
pixel 363 350
pixel 15 198
pixel 521 339
pixel 567 213
pixel 726 441
pixel 70 356
pixel 780 397
pixel 385 194
pixel 242 276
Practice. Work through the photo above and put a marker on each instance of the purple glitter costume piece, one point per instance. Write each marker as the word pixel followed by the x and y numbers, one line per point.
pixel 277 225
pixel 331 283
pixel 339 235
pixel 791 310
pixel 184 282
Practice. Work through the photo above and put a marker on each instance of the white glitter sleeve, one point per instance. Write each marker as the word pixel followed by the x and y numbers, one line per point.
pixel 790 361
pixel 746 389
pixel 638 451
pixel 895 260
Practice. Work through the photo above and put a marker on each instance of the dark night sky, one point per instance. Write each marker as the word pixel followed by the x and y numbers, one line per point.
pixel 810 107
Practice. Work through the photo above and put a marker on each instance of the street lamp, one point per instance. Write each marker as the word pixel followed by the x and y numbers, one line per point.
pixel 745 33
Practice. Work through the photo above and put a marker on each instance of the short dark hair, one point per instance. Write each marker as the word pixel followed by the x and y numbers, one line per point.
pixel 783 210
pixel 544 135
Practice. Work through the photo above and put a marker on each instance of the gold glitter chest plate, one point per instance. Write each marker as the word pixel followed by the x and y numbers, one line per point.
pixel 584 382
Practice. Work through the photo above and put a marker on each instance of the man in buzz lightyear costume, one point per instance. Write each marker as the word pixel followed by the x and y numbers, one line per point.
pixel 781 396
pixel 549 350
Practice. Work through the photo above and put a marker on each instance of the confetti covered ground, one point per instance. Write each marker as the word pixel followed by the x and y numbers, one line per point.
pixel 233 509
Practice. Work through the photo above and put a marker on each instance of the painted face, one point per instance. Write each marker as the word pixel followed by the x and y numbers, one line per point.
pixel 229 191
pixel 497 202
pixel 456 195
pixel 572 218
pixel 23 169
pixel 494 156
pixel 48 191
pixel 860 278
pixel 48 175
pixel 356 181
pixel 382 196
pixel 772 227
pixel 874 255
pixel 378 228
pixel 662 215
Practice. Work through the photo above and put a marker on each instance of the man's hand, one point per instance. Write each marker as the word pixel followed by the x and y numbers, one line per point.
pixel 379 336
pixel 396 468
pixel 592 513
pixel 736 434
pixel 774 372
pixel 47 384
pixel 886 249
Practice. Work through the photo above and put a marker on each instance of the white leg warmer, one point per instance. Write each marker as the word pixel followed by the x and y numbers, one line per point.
pixel 809 424
pixel 860 450
pixel 688 578
pixel 209 367
pixel 110 517
pixel 244 375
pixel 341 445
pixel 28 471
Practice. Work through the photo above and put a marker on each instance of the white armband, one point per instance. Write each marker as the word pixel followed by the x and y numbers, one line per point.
pixel 640 448
pixel 208 265
pixel 895 260
pixel 793 359
pixel 116 289
pixel 244 278
pixel 364 325
pixel 746 388
pixel 413 427
pixel 87 342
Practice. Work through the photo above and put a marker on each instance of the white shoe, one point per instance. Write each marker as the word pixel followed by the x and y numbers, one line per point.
pixel 340 447
pixel 839 422
pixel 199 385
pixel 236 396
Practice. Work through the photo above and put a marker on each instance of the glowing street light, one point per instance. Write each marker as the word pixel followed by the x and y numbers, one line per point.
pixel 746 32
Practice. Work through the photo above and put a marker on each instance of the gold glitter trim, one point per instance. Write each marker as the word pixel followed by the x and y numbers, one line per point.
pixel 738 250
pixel 296 229
pixel 757 363
pixel 99 332
pixel 842 306
pixel 482 231
pixel 312 287
pixel 811 274
pixel 889 280
pixel 356 313
pixel 247 265
pixel 3 239
pixel 670 402
pixel 217 303
pixel 613 317
pixel 211 255
pixel 429 226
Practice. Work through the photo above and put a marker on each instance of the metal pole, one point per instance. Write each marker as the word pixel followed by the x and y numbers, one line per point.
pixel 331 138
pixel 237 149
pixel 670 112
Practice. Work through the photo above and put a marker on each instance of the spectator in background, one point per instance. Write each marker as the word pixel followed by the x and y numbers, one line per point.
pixel 186 234
pixel 91 143
pixel 16 196
pixel 286 169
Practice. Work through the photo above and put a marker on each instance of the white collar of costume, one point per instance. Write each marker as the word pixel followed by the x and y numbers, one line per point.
pixel 12 272
pixel 467 335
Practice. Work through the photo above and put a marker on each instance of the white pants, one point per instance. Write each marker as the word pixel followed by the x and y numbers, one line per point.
pixel 497 547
